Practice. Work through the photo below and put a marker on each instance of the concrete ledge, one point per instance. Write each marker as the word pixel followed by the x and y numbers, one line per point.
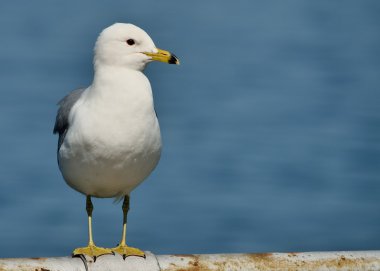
pixel 321 261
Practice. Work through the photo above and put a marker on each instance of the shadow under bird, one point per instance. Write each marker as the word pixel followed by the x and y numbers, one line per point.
pixel 109 136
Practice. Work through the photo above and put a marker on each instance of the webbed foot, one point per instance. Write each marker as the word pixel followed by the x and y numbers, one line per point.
pixel 126 251
pixel 92 251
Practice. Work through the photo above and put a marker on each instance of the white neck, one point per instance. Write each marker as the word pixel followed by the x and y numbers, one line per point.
pixel 121 87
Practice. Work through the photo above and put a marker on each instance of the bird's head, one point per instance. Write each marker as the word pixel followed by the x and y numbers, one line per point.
pixel 129 46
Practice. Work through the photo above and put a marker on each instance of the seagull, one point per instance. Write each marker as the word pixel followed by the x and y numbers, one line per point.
pixel 109 137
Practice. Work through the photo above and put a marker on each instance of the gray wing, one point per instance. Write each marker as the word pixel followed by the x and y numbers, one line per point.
pixel 62 120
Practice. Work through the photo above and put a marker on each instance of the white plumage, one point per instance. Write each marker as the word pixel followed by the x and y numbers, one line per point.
pixel 112 141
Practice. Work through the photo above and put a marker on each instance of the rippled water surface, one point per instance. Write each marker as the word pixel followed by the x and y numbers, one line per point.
pixel 271 126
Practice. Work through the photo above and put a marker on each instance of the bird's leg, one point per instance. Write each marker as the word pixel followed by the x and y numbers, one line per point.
pixel 122 248
pixel 91 250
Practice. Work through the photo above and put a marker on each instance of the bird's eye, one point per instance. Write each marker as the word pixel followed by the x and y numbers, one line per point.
pixel 130 42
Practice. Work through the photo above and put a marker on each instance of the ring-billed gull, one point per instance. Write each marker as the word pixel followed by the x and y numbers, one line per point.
pixel 109 136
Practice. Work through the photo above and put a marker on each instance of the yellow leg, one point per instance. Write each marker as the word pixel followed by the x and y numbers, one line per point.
pixel 122 248
pixel 91 250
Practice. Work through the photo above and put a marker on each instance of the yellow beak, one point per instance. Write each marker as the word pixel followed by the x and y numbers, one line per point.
pixel 164 56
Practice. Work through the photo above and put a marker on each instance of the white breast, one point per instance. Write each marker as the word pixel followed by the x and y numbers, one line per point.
pixel 113 142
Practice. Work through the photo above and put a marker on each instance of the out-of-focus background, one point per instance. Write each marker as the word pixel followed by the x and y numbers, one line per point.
pixel 271 126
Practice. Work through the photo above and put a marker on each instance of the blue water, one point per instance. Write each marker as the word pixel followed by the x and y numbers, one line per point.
pixel 271 126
